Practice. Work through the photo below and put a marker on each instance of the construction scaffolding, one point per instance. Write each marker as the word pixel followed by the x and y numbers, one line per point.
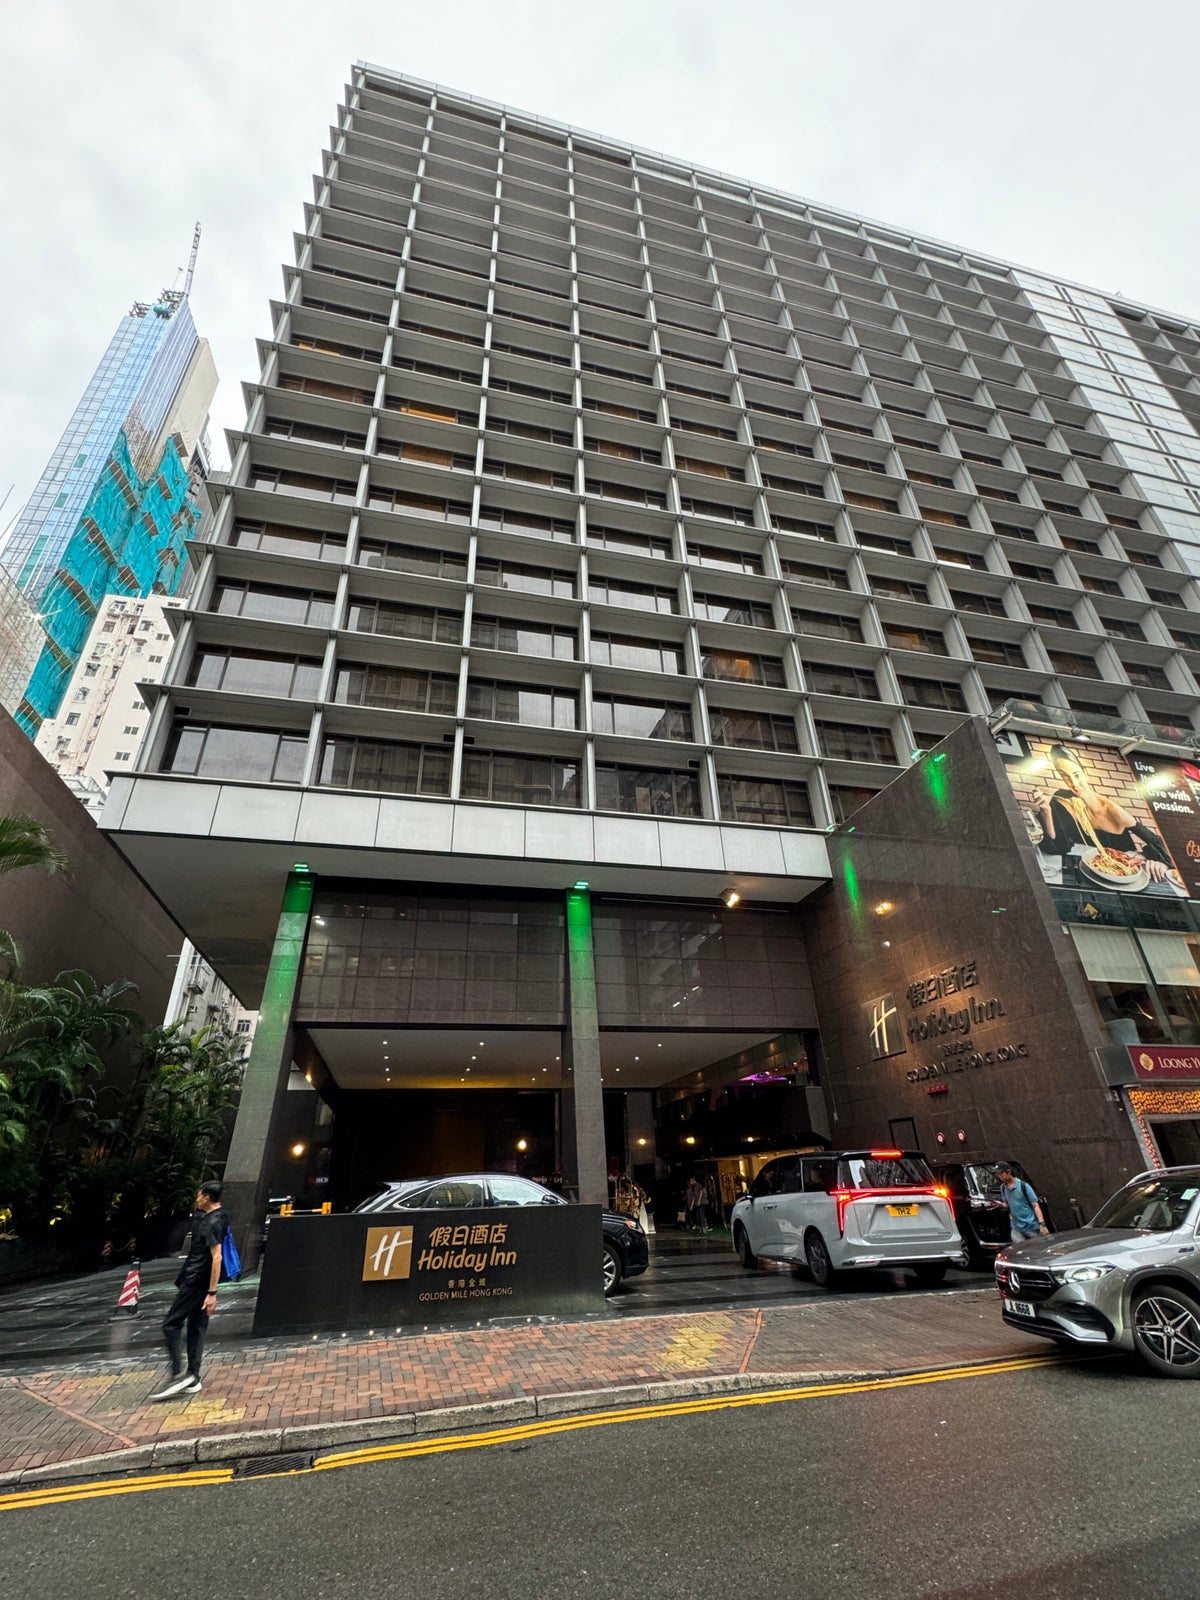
pixel 21 641
pixel 129 540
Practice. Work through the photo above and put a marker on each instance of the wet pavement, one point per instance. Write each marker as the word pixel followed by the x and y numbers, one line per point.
pixel 699 1272
pixel 71 1319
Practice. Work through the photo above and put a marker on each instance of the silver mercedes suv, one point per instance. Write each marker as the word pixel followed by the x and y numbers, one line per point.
pixel 1129 1280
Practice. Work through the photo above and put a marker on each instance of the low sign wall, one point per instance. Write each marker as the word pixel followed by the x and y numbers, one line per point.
pixel 369 1270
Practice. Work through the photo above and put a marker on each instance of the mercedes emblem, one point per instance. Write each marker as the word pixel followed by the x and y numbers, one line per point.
pixel 1014 1279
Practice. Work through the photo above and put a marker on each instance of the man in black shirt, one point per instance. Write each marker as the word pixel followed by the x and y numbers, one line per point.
pixel 197 1285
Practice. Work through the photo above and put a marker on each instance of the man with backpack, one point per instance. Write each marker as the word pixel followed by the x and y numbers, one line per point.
pixel 197 1296
pixel 1024 1208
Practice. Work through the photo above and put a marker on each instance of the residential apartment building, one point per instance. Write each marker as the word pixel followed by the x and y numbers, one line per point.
pixel 603 531
pixel 104 714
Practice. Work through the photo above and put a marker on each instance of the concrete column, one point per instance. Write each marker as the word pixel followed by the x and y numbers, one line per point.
pixel 252 1152
pixel 583 1097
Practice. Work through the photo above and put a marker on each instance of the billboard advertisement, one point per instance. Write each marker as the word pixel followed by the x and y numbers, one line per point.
pixel 1102 820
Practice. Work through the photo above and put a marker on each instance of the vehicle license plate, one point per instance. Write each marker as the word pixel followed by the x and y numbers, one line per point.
pixel 1020 1308
pixel 902 1211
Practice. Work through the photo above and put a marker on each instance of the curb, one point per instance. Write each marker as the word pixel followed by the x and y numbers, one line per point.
pixel 228 1449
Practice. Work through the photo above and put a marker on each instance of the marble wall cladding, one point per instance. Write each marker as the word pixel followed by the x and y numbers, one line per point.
pixel 937 908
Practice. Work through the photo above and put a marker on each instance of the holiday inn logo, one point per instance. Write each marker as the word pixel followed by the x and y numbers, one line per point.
pixel 884 1033
pixel 387 1255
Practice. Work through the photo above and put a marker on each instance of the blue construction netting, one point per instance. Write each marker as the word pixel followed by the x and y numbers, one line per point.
pixel 129 540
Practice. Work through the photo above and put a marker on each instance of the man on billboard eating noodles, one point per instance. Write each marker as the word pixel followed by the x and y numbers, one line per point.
pixel 1076 814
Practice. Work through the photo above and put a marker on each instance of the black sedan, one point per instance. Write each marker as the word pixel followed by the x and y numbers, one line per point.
pixel 979 1208
pixel 626 1253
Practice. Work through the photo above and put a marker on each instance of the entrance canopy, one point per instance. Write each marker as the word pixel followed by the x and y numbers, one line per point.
pixel 217 854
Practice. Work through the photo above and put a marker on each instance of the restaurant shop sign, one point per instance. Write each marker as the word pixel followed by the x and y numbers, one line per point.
pixel 412 1269
pixel 943 1009
pixel 1165 1063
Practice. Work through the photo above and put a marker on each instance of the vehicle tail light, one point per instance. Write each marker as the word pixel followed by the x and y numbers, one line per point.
pixel 845 1196
pixel 886 1155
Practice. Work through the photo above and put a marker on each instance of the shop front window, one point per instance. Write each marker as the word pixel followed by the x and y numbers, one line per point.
pixel 1119 983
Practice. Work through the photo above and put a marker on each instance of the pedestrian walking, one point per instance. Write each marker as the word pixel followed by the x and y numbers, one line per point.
pixel 1024 1208
pixel 197 1296
pixel 697 1205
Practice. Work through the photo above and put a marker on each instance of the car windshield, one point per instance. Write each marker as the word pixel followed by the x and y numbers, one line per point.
pixel 883 1172
pixel 1158 1205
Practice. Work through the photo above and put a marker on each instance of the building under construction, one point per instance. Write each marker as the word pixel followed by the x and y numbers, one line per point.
pixel 121 494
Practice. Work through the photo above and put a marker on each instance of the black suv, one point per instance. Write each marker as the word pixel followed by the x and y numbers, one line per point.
pixel 979 1208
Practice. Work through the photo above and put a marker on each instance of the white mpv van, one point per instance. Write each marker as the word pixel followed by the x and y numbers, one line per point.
pixel 841 1210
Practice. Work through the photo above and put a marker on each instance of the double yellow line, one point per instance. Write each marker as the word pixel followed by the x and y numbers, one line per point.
pixel 62 1494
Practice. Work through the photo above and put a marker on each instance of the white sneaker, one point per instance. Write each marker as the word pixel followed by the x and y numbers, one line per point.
pixel 183 1384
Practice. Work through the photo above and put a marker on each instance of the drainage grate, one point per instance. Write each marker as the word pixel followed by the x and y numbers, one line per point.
pixel 266 1466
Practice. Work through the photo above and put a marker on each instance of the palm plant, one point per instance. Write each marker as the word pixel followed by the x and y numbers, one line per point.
pixel 24 842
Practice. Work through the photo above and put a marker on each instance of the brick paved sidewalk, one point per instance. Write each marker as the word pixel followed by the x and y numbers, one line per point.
pixel 91 1409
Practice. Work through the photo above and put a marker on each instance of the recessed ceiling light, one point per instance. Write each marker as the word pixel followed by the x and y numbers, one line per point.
pixel 637 1058
pixel 481 1044
pixel 474 1058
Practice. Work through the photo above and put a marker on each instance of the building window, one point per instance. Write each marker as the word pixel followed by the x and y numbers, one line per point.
pixel 640 719
pixel 827 625
pixel 1072 665
pixel 523 638
pixel 72 719
pixel 927 640
pixel 997 652
pixel 854 741
pixel 122 755
pixel 537 707
pixel 620 650
pixel 846 800
pixel 857 682
pixel 281 540
pixel 132 729
pixel 254 754
pixel 528 580
pixel 774 804
pixel 391 557
pixel 109 627
pixel 746 613
pixel 648 792
pixel 641 596
pixel 520 780
pixel 617 539
pixel 385 768
pixel 737 668
pixel 934 693
pixel 269 603
pixel 243 1025
pixel 405 622
pixel 708 555
pixel 752 730
pixel 397 689
pixel 255 672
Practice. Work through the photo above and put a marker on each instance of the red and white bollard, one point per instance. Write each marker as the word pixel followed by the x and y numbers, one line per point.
pixel 127 1300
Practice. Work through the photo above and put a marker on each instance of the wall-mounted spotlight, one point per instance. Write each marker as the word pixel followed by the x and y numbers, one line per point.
pixel 522 1144
pixel 299 1149
pixel 731 898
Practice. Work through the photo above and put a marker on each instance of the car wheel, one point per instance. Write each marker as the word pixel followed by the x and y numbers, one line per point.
pixel 930 1275
pixel 741 1243
pixel 1166 1331
pixel 820 1268
pixel 612 1270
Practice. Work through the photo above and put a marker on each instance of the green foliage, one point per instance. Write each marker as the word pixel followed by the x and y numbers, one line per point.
pixel 87 1147
pixel 24 842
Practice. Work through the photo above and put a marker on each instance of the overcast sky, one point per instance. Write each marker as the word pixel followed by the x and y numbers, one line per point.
pixel 1058 134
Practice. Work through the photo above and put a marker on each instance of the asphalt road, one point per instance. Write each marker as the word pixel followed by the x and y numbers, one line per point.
pixel 1065 1483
